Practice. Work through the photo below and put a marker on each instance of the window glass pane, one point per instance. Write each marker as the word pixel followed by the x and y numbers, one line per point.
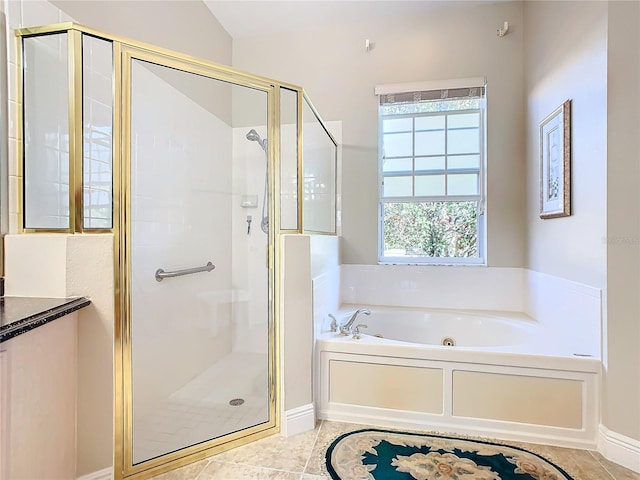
pixel 464 120
pixel 46 132
pixel 288 159
pixel 430 123
pixel 430 229
pixel 397 125
pixel 463 184
pixel 397 187
pixel 397 165
pixel 97 127
pixel 319 174
pixel 429 185
pixel 463 141
pixel 397 145
pixel 463 161
pixel 430 143
pixel 430 163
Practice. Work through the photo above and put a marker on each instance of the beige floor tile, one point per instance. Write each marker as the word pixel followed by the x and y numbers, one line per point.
pixel 580 464
pixel 188 472
pixel 616 471
pixel 276 452
pixel 329 431
pixel 234 471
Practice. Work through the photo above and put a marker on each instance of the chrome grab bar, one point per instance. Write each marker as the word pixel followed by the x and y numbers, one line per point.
pixel 161 274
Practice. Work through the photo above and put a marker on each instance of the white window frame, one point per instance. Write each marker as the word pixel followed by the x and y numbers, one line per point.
pixel 480 197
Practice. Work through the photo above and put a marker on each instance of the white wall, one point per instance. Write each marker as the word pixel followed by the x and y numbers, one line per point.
pixel 297 335
pixel 339 76
pixel 566 58
pixel 622 369
pixel 588 52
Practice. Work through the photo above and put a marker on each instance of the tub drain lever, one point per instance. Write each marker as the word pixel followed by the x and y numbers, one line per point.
pixel 356 331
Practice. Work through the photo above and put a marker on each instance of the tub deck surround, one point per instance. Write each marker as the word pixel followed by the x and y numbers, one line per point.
pixel 22 314
pixel 522 385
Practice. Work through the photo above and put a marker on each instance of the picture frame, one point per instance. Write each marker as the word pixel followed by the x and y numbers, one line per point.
pixel 555 163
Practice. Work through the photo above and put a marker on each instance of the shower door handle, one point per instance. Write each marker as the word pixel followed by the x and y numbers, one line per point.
pixel 161 274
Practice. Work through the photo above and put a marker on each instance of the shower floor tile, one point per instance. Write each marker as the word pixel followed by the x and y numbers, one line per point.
pixel 197 412
pixel 301 457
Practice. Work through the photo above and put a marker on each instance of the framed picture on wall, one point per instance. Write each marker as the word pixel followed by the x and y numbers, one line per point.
pixel 555 163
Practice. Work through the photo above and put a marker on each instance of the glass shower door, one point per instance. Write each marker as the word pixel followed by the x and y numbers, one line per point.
pixel 201 336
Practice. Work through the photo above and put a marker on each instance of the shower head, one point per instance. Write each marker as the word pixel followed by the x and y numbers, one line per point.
pixel 253 136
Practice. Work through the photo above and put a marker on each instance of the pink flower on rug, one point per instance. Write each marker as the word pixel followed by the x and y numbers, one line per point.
pixel 436 466
pixel 534 469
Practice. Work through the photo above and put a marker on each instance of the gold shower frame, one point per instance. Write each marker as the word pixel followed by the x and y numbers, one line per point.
pixel 124 50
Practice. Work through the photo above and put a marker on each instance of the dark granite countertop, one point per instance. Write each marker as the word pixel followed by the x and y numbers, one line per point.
pixel 21 314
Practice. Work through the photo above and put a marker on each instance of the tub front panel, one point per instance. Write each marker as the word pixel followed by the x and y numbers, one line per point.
pixel 395 387
pixel 515 398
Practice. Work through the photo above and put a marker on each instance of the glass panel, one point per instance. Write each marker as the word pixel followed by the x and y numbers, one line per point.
pixel 430 143
pixel 462 184
pixel 397 165
pixel 97 115
pixel 430 163
pixel 397 145
pixel 397 125
pixel 46 132
pixel 463 161
pixel 427 185
pixel 319 166
pixel 397 187
pixel 198 341
pixel 288 159
pixel 463 141
pixel 430 229
pixel 464 120
pixel 430 123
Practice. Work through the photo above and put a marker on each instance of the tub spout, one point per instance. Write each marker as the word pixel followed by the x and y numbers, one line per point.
pixel 346 328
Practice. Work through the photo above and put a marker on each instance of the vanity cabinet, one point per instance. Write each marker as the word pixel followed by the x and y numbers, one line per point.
pixel 38 376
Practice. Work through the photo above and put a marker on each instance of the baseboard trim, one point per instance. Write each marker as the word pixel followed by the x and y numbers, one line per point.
pixel 619 449
pixel 299 420
pixel 104 474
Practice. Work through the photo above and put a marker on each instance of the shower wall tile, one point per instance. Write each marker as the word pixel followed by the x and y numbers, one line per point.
pixel 13 121
pixel 12 168
pixel 12 89
pixel 180 207
pixel 248 255
pixel 13 193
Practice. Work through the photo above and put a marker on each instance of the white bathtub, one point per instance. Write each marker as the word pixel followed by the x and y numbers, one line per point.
pixel 506 377
pixel 439 327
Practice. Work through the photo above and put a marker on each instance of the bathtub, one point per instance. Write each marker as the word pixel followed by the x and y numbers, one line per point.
pixel 497 374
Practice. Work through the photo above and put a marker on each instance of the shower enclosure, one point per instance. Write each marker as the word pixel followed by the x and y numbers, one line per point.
pixel 196 169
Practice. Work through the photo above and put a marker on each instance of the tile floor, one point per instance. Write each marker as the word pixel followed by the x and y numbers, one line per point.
pixel 301 457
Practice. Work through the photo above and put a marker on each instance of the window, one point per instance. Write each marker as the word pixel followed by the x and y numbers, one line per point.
pixel 432 174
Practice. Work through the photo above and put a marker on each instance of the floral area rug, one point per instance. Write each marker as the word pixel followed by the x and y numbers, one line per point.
pixel 383 455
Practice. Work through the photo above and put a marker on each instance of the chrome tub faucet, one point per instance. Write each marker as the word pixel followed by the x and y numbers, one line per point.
pixel 346 328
